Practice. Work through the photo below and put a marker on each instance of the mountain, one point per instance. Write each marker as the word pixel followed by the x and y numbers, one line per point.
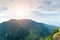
pixel 24 29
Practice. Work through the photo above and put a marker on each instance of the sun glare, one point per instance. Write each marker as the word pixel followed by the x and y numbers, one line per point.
pixel 21 13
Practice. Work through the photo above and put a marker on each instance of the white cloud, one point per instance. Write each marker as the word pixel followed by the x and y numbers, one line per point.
pixel 4 19
pixel 48 11
pixel 53 6
pixel 3 8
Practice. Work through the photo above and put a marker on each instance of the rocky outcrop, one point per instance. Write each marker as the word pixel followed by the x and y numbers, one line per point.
pixel 56 36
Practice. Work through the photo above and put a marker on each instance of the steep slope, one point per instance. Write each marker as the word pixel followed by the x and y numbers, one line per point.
pixel 24 29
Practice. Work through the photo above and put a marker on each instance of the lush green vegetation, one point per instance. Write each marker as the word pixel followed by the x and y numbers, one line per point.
pixel 25 30
pixel 50 37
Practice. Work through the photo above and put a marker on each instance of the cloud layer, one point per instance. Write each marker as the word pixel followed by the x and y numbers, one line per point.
pixel 46 11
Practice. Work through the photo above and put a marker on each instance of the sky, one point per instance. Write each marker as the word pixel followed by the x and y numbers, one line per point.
pixel 45 11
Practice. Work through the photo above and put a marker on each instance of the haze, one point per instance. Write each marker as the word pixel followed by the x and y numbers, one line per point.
pixel 45 11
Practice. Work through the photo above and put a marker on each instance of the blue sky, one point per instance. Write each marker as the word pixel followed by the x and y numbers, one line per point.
pixel 45 11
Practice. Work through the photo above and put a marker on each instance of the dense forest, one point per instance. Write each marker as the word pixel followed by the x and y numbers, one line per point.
pixel 26 29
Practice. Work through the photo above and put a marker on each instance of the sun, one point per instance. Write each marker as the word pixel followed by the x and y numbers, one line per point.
pixel 21 13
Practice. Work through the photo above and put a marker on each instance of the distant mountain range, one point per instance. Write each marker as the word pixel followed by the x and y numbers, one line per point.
pixel 24 29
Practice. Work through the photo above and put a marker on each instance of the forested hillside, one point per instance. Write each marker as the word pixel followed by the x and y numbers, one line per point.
pixel 25 29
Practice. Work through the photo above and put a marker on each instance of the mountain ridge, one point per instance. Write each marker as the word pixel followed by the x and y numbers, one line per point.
pixel 25 28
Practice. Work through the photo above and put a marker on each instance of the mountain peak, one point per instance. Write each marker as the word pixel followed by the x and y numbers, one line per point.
pixel 21 20
pixel 20 29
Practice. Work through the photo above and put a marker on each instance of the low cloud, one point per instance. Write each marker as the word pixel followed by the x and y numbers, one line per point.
pixel 2 8
pixel 53 5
